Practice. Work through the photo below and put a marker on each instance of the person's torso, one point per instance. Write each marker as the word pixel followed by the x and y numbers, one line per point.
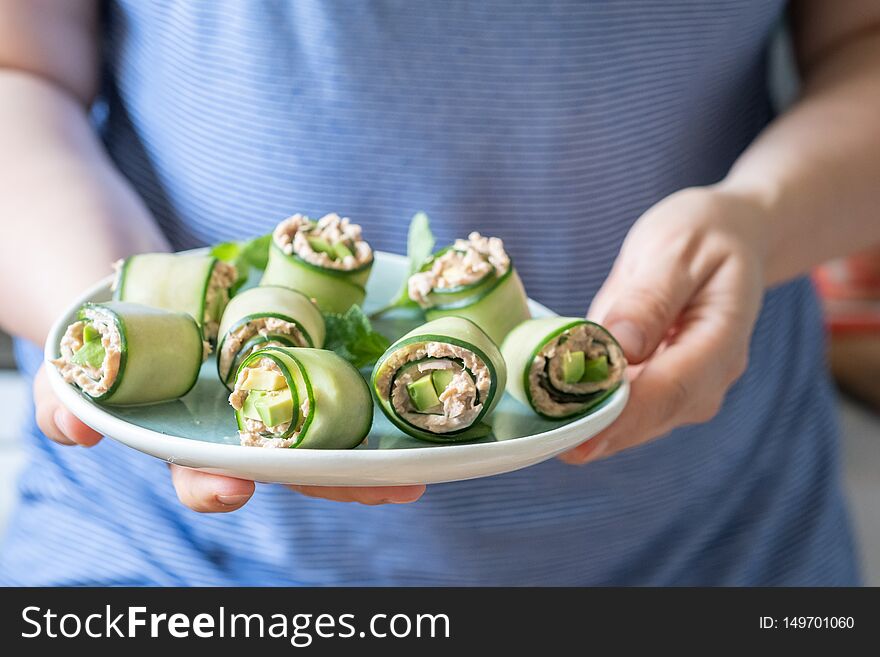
pixel 550 124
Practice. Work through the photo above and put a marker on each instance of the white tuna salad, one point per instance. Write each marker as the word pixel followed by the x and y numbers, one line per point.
pixel 223 276
pixel 465 263
pixel 331 242
pixel 91 352
pixel 579 362
pixel 231 349
pixel 435 386
pixel 266 403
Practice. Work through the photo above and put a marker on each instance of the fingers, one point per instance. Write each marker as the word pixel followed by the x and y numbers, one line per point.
pixel 642 299
pixel 671 390
pixel 370 495
pixel 55 421
pixel 685 382
pixel 209 493
pixel 591 450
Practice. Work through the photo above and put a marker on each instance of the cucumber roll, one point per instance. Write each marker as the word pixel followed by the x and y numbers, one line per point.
pixel 475 279
pixel 187 283
pixel 327 260
pixel 440 380
pixel 562 366
pixel 124 353
pixel 300 397
pixel 269 316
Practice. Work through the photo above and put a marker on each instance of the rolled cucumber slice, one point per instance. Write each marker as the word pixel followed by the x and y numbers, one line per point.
pixel 172 281
pixel 496 308
pixel 522 350
pixel 262 303
pixel 334 290
pixel 340 409
pixel 160 352
pixel 457 334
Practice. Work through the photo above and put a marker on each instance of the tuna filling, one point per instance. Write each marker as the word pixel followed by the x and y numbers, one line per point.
pixel 222 278
pixel 574 369
pixel 266 406
pixel 265 327
pixel 91 353
pixel 331 242
pixel 465 263
pixel 435 386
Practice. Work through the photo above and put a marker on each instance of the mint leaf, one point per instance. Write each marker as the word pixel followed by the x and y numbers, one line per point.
pixel 352 336
pixel 419 241
pixel 255 252
pixel 419 247
pixel 245 255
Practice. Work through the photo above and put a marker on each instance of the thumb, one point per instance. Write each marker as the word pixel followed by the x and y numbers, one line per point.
pixel 639 307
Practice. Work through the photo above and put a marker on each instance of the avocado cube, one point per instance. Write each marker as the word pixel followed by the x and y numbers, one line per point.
pixel 572 366
pixel 249 408
pixel 259 379
pixel 595 370
pixel 275 407
pixel 91 354
pixel 343 251
pixel 422 394
pixel 441 379
pixel 320 245
pixel 90 333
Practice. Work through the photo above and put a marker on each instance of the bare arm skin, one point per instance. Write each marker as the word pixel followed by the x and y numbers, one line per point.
pixel 815 172
pixel 71 213
pixel 685 290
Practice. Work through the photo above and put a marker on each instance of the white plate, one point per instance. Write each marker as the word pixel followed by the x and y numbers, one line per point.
pixel 199 430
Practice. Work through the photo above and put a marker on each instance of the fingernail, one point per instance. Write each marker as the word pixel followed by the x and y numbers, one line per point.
pixel 59 420
pixel 598 450
pixel 232 500
pixel 630 337
pixel 402 500
pixel 398 500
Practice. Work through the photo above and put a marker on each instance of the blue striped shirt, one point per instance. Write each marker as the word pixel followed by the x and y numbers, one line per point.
pixel 551 124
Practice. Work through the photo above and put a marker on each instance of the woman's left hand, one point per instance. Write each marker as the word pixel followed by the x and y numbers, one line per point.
pixel 682 299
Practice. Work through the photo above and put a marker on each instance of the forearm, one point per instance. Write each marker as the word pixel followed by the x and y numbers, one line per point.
pixel 815 172
pixel 69 213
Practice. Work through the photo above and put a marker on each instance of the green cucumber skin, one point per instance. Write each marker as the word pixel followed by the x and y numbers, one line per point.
pixel 268 300
pixel 334 291
pixel 171 281
pixel 462 295
pixel 522 345
pixel 465 334
pixel 272 301
pixel 497 311
pixel 229 381
pixel 161 354
pixel 340 405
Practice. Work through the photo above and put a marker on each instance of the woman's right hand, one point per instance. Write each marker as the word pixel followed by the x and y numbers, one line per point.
pixel 200 491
